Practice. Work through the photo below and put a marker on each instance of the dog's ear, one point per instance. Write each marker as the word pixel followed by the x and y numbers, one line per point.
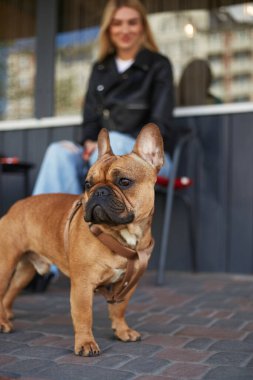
pixel 104 146
pixel 149 146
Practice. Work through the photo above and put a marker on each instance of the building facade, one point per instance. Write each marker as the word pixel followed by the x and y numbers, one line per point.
pixel 222 36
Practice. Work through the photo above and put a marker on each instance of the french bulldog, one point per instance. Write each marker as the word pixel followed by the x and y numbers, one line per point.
pixel 101 239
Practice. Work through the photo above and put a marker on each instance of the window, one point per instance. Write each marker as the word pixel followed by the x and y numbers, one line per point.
pixel 18 63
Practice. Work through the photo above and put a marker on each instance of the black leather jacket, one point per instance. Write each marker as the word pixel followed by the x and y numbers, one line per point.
pixel 126 102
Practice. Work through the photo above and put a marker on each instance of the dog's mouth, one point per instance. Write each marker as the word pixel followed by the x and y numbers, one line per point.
pixel 105 207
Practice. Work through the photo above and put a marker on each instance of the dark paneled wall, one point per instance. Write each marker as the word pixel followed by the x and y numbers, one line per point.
pixel 220 162
pixel 29 145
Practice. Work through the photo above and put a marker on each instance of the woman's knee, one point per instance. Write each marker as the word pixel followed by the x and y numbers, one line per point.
pixel 121 143
pixel 62 148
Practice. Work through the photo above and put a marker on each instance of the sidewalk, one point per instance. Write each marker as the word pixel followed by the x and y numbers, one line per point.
pixel 195 327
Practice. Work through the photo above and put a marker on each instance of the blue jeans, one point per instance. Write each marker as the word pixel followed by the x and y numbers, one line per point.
pixel 63 169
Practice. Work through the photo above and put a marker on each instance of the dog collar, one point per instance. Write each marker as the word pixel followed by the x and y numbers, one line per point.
pixel 137 260
pixel 75 207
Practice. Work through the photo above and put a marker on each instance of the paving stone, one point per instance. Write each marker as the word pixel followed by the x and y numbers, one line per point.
pixel 158 309
pixel 5 359
pixel 211 298
pixel 229 373
pixel 223 314
pixel 199 343
pixel 160 328
pixel 157 318
pixel 166 340
pixel 192 321
pixel 58 319
pixel 113 361
pixel 153 377
pixel 5 375
pixel 184 310
pixel 27 366
pixel 228 358
pixel 8 347
pixel 184 336
pixel 23 336
pixel 41 352
pixel 250 364
pixel 64 330
pixel 186 371
pixel 33 317
pixel 231 345
pixel 22 325
pixel 248 326
pixel 30 377
pixel 134 348
pixel 244 315
pixel 50 340
pixel 219 305
pixel 203 313
pixel 146 365
pixel 71 358
pixel 85 372
pixel 249 338
pixel 182 355
pixel 213 333
pixel 228 324
pixel 106 344
pixel 104 333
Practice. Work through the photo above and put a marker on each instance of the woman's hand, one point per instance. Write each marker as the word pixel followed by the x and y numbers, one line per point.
pixel 89 147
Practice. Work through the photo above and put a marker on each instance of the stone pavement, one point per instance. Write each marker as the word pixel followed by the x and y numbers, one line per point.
pixel 197 326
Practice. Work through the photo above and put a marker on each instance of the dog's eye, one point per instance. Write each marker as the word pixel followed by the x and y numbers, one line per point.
pixel 125 182
pixel 87 185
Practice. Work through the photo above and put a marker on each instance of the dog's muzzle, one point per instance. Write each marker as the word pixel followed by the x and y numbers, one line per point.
pixel 105 207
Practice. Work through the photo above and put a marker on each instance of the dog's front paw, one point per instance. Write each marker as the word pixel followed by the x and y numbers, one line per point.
pixel 87 348
pixel 9 313
pixel 127 335
pixel 5 326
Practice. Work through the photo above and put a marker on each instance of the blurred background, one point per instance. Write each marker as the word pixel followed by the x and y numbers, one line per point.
pixel 46 51
pixel 220 32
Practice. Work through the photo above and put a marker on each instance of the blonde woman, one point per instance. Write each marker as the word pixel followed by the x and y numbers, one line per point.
pixel 130 85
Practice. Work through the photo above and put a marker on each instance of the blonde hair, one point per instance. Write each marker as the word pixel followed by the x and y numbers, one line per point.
pixel 105 46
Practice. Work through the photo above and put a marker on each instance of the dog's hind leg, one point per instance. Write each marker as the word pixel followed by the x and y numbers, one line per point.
pixel 24 273
pixel 26 269
pixel 7 268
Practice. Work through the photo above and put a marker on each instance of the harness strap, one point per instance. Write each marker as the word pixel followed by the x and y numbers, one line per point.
pixel 135 258
pixel 75 207
pixel 112 243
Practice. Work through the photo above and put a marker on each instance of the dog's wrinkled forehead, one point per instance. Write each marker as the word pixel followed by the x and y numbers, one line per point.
pixel 111 166
pixel 99 170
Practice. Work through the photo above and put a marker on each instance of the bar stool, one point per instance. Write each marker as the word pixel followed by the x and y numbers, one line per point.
pixel 172 188
pixel 12 165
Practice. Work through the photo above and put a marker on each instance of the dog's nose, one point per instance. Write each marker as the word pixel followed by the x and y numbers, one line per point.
pixel 102 192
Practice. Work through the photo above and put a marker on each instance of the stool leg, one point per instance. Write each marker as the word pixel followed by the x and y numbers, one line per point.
pixel 168 211
pixel 165 233
pixel 192 228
